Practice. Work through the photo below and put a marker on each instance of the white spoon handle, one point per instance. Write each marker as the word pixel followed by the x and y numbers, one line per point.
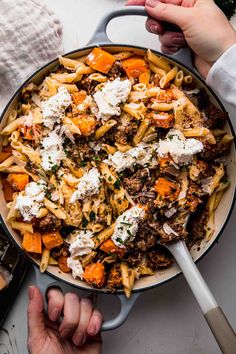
pixel 218 323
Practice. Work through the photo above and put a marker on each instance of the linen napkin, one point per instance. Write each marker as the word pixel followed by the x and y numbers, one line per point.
pixel 30 36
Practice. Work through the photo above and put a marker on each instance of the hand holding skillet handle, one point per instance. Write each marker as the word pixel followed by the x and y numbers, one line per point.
pixel 218 323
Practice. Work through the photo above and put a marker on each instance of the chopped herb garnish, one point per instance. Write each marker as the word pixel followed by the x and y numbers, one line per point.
pixel 109 178
pixel 92 216
pixel 126 223
pixel 119 240
pixel 48 195
pixel 84 222
pixel 117 184
pixel 83 163
pixel 224 180
pixel 171 137
pixel 54 168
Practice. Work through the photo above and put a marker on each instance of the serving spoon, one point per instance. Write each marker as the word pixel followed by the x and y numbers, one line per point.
pixel 215 317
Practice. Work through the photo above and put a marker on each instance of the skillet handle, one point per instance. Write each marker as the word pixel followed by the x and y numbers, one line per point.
pixel 44 282
pixel 126 307
pixel 218 323
pixel 184 55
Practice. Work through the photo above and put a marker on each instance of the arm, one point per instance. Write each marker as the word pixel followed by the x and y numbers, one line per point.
pixel 222 76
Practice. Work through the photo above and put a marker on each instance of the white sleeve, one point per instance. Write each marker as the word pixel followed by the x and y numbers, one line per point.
pixel 222 76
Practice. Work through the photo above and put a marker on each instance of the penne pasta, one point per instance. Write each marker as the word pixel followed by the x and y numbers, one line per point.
pixel 158 61
pixel 123 55
pixel 101 131
pixel 179 78
pixel 44 260
pixel 141 131
pixel 168 77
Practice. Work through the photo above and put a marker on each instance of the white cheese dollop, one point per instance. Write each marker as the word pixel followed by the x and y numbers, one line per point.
pixel 54 109
pixel 110 96
pixel 30 202
pixel 75 265
pixel 180 148
pixel 88 185
pixel 52 151
pixel 143 155
pixel 81 243
pixel 127 226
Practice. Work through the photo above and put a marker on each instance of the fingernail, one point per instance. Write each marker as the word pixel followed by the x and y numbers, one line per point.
pixel 54 315
pixel 153 28
pixel 178 40
pixel 65 333
pixel 31 292
pixel 93 330
pixel 78 338
pixel 151 3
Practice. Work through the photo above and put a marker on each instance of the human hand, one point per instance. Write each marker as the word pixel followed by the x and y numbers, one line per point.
pixel 77 333
pixel 204 27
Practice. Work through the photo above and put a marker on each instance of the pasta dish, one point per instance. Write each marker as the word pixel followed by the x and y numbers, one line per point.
pixel 102 162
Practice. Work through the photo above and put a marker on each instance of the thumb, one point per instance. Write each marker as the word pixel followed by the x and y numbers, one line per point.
pixel 36 326
pixel 135 3
pixel 167 12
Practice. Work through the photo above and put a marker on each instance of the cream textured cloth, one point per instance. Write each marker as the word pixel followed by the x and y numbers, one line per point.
pixel 30 36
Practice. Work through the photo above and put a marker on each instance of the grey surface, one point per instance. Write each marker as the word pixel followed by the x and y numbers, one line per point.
pixel 165 320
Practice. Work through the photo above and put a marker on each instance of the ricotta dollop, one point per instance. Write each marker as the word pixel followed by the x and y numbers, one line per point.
pixel 88 185
pixel 143 155
pixel 127 226
pixel 110 96
pixel 29 202
pixel 75 265
pixel 54 109
pixel 180 148
pixel 52 152
pixel 81 243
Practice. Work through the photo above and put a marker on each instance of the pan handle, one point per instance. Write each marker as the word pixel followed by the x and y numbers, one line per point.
pixel 184 55
pixel 44 282
pixel 215 317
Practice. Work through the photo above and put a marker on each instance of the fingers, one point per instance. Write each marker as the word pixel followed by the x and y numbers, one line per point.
pixel 35 313
pixel 154 26
pixel 95 323
pixel 71 314
pixel 135 3
pixel 80 334
pixel 172 39
pixel 55 303
pixel 177 15
pixel 169 50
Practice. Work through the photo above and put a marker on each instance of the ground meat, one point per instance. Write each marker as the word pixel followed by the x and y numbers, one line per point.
pixel 125 133
pixel 177 227
pixel 82 151
pixel 146 236
pixel 116 70
pixel 215 117
pixel 133 258
pixel 135 183
pixel 196 224
pixel 158 257
pixel 193 98
pixel 194 190
pixel 114 279
pixel 49 223
pixel 60 251
pixel 211 152
pixel 87 85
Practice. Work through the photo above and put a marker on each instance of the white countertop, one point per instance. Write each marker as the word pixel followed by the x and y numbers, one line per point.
pixel 165 320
